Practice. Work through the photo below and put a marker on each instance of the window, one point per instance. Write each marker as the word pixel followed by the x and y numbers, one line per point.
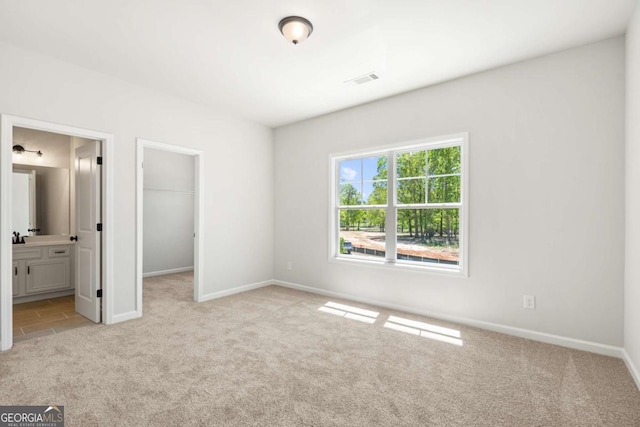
pixel 402 206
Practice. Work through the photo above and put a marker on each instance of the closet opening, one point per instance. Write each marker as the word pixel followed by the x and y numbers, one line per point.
pixel 168 226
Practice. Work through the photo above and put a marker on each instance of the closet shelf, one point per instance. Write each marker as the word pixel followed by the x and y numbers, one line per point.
pixel 169 190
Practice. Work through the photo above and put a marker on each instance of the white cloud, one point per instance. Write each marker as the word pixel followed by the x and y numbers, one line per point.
pixel 347 174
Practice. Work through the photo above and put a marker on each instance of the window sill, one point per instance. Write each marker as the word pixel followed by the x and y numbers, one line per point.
pixel 401 266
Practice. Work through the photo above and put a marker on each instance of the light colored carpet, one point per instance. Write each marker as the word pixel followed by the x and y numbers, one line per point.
pixel 269 357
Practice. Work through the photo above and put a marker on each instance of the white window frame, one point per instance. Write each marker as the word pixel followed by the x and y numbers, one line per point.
pixel 390 261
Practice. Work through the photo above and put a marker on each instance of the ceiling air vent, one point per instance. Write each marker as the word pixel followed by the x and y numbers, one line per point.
pixel 369 77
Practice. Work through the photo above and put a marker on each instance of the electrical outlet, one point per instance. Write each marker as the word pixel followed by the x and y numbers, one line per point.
pixel 289 265
pixel 530 302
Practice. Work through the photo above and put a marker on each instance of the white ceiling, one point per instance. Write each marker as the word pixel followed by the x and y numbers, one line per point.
pixel 229 54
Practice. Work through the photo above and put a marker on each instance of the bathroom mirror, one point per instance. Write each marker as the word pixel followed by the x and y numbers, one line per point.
pixel 43 204
pixel 24 201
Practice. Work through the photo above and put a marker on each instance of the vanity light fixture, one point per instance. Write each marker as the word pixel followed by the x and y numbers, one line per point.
pixel 295 28
pixel 19 151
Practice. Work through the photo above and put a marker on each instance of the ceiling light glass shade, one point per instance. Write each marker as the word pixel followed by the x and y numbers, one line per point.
pixel 295 29
pixel 18 151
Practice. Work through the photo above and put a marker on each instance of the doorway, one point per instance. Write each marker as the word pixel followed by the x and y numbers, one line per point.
pixel 45 259
pixel 190 192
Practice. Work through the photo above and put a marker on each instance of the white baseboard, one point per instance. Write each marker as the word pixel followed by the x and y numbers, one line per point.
pixel 633 369
pixel 236 290
pixel 592 347
pixel 123 317
pixel 171 271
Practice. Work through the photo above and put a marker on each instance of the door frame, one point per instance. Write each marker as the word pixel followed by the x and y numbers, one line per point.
pixel 7 123
pixel 198 211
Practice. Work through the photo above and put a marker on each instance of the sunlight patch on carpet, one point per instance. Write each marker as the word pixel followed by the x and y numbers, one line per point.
pixel 425 330
pixel 350 312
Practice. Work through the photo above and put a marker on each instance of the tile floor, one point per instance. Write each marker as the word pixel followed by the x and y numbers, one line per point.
pixel 46 317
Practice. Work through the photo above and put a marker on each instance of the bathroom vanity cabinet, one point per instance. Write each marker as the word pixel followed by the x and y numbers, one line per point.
pixel 42 271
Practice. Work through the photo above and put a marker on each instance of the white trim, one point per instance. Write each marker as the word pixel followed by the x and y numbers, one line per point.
pixel 633 369
pixel 118 318
pixel 391 213
pixel 428 206
pixel 108 196
pixel 464 210
pixel 573 343
pixel 236 290
pixel 7 122
pixel 360 207
pixel 399 265
pixel 198 223
pixel 6 251
pixel 334 220
pixel 164 272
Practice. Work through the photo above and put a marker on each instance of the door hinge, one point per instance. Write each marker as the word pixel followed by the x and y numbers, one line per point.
pixel 99 293
pixel 99 159
pixel 99 227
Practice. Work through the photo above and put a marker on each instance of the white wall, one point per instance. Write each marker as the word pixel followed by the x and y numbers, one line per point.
pixel 546 194
pixel 169 184
pixel 236 238
pixel 632 253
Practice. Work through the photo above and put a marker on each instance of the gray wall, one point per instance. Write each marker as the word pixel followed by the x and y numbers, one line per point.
pixel 546 208
pixel 632 232
pixel 168 211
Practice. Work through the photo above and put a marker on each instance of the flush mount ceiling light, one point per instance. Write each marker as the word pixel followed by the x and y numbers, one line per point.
pixel 19 151
pixel 295 28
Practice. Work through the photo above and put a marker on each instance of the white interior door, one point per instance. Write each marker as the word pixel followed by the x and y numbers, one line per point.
pixel 88 215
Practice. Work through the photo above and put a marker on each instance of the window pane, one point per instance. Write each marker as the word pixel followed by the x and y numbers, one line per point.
pixel 429 236
pixel 443 161
pixel 375 193
pixel 350 171
pixel 362 233
pixel 363 181
pixel 410 165
pixel 350 195
pixel 411 190
pixel 444 189
pixel 374 168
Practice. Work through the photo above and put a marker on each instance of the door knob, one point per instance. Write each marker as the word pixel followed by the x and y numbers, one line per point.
pixel 72 238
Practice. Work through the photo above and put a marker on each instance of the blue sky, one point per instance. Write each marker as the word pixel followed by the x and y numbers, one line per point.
pixel 356 170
